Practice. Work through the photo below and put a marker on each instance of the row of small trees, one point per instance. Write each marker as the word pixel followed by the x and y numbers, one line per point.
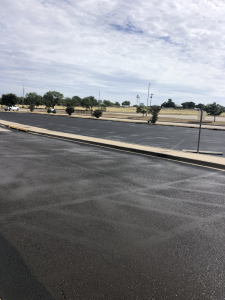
pixel 53 98
pixel 212 109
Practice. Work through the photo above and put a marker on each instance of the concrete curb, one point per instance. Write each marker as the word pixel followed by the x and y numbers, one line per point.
pixel 191 158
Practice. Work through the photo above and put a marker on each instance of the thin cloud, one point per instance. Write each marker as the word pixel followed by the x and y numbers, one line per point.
pixel 79 47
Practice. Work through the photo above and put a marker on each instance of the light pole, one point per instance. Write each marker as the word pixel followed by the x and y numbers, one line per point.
pixel 151 99
pixel 23 97
pixel 147 99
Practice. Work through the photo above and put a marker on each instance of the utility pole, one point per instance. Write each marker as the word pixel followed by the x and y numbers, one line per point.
pixel 147 99
pixel 151 99
pixel 23 97
pixel 199 134
pixel 98 99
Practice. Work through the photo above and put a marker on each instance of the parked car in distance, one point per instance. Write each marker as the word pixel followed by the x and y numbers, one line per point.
pixel 13 108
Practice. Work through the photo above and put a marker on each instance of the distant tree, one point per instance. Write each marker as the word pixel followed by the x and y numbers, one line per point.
pixel 100 102
pixel 67 102
pixel 76 100
pixel 169 104
pixel 117 104
pixel 0 101
pixel 108 103
pixel 33 98
pixel 126 103
pixel 141 109
pixel 89 102
pixel 19 100
pixel 189 105
pixel 52 98
pixel 214 109
pixel 154 110
pixel 9 99
pixel 200 105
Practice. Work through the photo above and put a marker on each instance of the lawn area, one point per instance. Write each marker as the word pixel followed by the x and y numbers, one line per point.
pixel 126 110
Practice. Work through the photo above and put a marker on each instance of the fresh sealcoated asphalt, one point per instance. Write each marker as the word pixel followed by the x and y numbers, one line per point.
pixel 85 222
pixel 176 138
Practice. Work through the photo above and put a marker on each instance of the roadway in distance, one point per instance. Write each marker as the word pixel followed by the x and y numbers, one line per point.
pixel 169 137
pixel 84 222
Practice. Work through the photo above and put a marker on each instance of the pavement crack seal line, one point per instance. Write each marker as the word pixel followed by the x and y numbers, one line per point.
pixel 175 155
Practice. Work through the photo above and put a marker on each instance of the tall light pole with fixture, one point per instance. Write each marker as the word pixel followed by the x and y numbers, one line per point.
pixel 151 99
pixel 23 97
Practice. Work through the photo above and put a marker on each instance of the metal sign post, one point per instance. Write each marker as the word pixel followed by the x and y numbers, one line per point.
pixel 199 134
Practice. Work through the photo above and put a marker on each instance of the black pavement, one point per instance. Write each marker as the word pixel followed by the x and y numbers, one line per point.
pixel 176 138
pixel 84 222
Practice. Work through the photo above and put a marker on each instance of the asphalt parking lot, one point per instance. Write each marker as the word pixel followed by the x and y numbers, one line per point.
pixel 84 222
pixel 170 137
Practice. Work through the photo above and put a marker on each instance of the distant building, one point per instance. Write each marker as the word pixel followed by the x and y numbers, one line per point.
pixel 142 104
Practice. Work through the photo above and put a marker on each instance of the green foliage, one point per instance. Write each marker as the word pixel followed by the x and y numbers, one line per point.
pixel 89 102
pixel 200 105
pixel 108 103
pixel 97 113
pixel 117 104
pixel 33 98
pixel 189 105
pixel 52 98
pixel 9 99
pixel 214 109
pixel 141 109
pixel 76 100
pixel 103 107
pixel 126 103
pixel 19 100
pixel 154 110
pixel 69 110
pixel 31 107
pixel 168 104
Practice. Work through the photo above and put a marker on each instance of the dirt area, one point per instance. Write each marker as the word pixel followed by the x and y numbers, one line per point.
pixel 163 119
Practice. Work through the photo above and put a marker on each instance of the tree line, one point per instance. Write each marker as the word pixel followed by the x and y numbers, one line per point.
pixel 53 98
pixel 212 109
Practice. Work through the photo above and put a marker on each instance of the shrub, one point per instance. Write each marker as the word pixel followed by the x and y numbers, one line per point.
pixel 48 110
pixel 69 110
pixel 97 113
pixel 31 107
pixel 154 110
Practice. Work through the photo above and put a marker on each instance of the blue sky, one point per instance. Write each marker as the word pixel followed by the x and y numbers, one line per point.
pixel 117 47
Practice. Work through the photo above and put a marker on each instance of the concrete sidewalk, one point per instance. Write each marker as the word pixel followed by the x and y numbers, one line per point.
pixel 191 158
